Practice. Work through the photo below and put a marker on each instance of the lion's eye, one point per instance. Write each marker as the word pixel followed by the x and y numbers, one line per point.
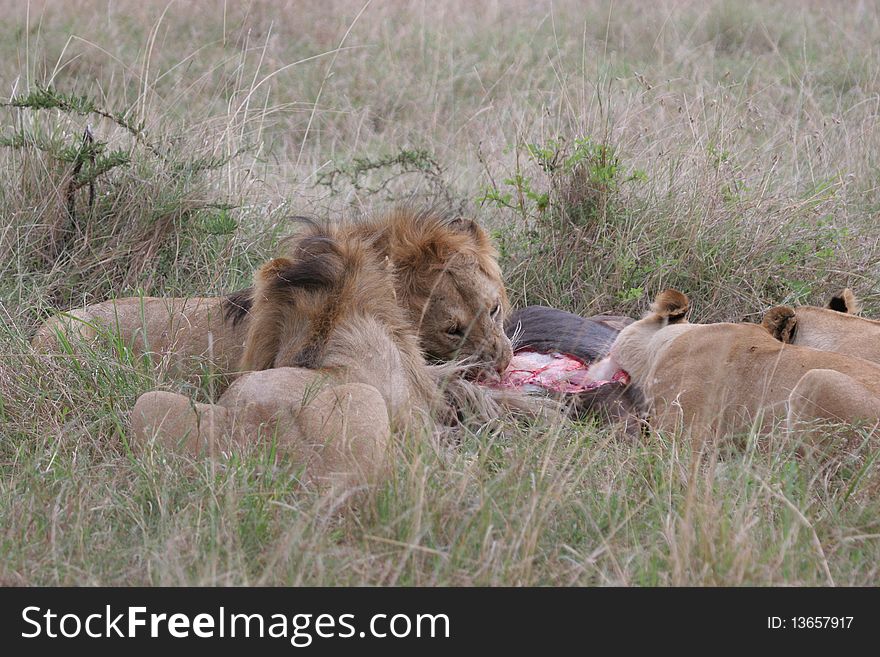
pixel 455 331
pixel 496 310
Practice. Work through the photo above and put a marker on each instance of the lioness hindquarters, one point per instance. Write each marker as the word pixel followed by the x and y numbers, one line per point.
pixel 184 337
pixel 823 396
pixel 73 327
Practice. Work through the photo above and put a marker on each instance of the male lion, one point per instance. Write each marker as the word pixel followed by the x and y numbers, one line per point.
pixel 446 277
pixel 335 366
pixel 833 328
pixel 712 379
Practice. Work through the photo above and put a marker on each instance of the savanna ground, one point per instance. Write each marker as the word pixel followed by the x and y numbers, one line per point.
pixel 731 150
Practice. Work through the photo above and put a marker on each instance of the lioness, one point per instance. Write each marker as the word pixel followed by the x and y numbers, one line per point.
pixel 833 328
pixel 313 391
pixel 445 275
pixel 712 379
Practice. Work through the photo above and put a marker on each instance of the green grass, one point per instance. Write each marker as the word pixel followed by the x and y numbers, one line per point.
pixel 727 149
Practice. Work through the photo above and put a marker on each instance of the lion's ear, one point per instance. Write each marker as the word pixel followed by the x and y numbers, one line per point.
pixel 671 306
pixel 472 229
pixel 844 302
pixel 269 271
pixel 316 265
pixel 465 225
pixel 781 323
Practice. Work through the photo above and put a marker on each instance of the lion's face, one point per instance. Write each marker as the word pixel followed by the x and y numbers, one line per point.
pixel 450 282
pixel 462 315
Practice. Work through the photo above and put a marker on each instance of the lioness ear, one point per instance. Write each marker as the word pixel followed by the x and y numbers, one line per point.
pixel 781 323
pixel 845 302
pixel 670 305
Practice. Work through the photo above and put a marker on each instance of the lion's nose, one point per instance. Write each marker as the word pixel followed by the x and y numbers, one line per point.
pixel 503 356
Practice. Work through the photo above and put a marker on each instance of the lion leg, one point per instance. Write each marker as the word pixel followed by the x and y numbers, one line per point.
pixel 829 396
pixel 179 424
pixel 339 433
pixel 345 435
pixel 237 420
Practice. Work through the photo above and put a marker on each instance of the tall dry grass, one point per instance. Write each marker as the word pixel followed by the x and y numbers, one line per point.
pixel 726 148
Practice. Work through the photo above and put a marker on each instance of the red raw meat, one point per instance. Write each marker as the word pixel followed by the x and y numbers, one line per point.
pixel 533 371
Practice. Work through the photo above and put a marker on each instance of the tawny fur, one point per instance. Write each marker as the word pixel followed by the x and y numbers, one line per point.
pixel 312 389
